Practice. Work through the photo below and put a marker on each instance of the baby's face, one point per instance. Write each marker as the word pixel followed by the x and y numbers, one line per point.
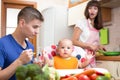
pixel 65 49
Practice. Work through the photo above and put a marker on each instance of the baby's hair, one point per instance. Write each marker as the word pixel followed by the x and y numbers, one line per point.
pixel 63 40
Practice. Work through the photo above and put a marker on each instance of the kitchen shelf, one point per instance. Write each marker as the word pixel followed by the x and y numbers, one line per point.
pixel 108 58
pixel 110 3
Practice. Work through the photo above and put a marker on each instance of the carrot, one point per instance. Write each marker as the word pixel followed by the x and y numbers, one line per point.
pixel 87 72
pixel 70 78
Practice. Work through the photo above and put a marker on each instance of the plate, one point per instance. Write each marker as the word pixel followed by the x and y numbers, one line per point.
pixel 63 72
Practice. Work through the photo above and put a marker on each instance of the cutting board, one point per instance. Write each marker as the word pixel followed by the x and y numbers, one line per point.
pixel 104 36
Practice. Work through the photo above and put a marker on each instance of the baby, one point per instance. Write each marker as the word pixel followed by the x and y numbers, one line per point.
pixel 63 58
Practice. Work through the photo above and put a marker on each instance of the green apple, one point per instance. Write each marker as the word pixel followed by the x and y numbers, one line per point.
pixel 102 78
pixel 108 75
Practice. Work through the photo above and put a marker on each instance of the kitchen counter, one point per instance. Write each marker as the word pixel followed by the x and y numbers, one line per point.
pixel 108 58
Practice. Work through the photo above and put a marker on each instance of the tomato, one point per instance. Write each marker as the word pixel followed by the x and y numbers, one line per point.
pixel 83 77
pixel 93 76
pixel 66 76
pixel 102 78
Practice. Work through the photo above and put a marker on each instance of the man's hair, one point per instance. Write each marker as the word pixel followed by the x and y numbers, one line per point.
pixel 29 13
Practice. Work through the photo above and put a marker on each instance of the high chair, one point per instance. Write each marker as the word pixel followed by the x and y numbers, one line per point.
pixel 77 51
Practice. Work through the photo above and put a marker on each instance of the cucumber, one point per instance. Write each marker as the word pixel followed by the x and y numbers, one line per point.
pixel 109 53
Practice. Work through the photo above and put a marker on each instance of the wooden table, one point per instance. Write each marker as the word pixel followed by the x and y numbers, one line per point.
pixel 108 58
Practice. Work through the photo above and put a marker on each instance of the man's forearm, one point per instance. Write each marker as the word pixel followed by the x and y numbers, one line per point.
pixel 6 73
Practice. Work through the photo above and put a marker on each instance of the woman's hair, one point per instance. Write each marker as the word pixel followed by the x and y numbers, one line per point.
pixel 29 13
pixel 98 19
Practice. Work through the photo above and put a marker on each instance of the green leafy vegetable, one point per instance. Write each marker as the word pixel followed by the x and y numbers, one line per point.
pixel 35 72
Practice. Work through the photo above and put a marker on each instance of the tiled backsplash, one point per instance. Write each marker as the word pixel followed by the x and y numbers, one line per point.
pixel 114 30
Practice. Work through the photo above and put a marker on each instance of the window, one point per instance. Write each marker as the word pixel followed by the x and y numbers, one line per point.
pixel 75 2
pixel 11 23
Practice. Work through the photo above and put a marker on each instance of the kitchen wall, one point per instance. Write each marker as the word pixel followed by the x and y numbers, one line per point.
pixel 43 4
pixel 76 13
pixel 114 30
pixel 55 26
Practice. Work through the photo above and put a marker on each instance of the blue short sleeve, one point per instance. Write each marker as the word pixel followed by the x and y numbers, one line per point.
pixel 1 59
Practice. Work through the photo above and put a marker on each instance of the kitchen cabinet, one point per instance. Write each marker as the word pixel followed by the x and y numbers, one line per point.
pixel 112 66
pixel 110 3
pixel 106 14
pixel 107 5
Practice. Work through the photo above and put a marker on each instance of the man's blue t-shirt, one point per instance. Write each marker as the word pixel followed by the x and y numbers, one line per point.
pixel 10 50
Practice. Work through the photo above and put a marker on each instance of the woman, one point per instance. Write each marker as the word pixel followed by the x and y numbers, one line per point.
pixel 86 31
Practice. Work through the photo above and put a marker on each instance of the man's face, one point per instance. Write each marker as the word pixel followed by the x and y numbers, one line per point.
pixel 31 29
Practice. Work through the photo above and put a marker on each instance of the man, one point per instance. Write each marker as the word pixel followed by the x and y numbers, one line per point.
pixel 15 50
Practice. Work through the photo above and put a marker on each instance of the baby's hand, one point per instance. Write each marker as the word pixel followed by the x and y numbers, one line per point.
pixel 89 56
pixel 48 58
pixel 44 54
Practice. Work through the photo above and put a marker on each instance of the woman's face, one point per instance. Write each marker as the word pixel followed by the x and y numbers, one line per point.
pixel 93 11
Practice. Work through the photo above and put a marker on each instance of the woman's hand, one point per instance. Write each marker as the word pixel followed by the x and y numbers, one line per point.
pixel 95 48
pixel 91 47
pixel 101 47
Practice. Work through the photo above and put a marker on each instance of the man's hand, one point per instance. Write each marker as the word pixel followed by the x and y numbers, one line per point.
pixel 26 56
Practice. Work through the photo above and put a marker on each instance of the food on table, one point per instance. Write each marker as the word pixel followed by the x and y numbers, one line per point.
pixel 35 72
pixel 109 53
pixel 83 77
pixel 89 74
pixel 93 76
pixel 102 78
